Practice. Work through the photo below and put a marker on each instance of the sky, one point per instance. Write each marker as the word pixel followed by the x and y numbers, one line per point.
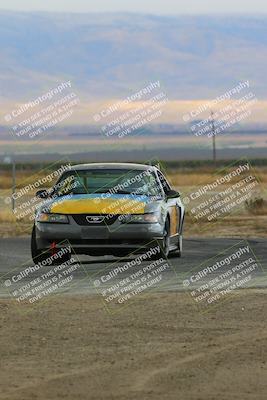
pixel 161 7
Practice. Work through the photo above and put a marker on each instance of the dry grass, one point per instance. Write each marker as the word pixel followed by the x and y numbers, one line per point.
pixel 22 178
pixel 191 177
pixel 7 216
pixel 233 226
pixel 178 177
pixel 241 223
pixel 257 206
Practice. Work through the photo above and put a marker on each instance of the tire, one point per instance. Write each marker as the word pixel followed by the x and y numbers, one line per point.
pixel 37 255
pixel 178 252
pixel 165 248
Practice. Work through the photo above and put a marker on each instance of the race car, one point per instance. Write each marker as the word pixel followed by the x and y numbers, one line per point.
pixel 108 208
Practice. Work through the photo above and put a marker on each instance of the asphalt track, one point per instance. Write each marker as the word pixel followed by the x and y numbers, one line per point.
pixel 15 254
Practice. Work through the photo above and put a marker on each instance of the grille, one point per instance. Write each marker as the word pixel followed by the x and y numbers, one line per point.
pixel 92 220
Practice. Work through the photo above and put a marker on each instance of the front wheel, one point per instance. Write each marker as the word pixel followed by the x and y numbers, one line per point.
pixel 179 250
pixel 37 255
pixel 42 255
pixel 161 247
pixel 165 247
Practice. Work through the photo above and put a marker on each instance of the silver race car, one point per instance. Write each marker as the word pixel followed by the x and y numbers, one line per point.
pixel 108 208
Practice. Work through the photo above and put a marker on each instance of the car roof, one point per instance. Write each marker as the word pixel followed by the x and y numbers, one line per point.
pixel 129 166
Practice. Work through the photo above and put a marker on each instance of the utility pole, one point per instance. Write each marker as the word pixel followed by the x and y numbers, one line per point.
pixel 213 137
pixel 13 183
pixel 11 160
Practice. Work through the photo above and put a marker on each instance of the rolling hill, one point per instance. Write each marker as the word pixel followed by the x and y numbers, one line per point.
pixel 106 55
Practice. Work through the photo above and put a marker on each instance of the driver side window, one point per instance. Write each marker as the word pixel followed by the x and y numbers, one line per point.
pixel 164 183
pixel 68 184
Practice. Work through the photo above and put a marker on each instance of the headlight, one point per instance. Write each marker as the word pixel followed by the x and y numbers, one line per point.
pixel 151 218
pixel 54 218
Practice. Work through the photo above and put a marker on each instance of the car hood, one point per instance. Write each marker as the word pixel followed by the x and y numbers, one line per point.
pixel 101 204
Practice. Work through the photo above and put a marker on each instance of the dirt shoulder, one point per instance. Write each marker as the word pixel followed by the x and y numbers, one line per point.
pixel 160 347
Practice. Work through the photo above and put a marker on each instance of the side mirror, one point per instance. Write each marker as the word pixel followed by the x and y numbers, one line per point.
pixel 42 194
pixel 172 194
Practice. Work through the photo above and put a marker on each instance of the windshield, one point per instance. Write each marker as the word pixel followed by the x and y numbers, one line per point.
pixel 113 181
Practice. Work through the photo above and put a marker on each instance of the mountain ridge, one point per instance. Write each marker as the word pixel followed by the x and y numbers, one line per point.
pixel 108 55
